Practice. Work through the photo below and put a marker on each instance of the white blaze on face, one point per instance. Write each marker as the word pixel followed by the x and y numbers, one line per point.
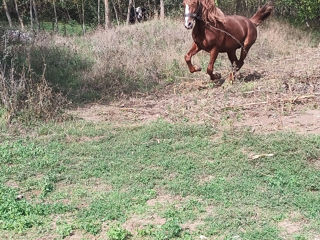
pixel 187 11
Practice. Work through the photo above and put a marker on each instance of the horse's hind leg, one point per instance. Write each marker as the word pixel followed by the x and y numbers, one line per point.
pixel 194 50
pixel 243 55
pixel 234 60
pixel 213 56
pixel 232 57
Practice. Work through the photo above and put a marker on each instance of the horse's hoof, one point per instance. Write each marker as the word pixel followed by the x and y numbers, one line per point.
pixel 196 69
pixel 215 76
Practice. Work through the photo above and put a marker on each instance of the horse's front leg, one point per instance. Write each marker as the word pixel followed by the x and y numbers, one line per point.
pixel 213 56
pixel 194 50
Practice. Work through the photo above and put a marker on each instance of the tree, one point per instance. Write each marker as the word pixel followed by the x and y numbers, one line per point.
pixel 7 12
pixel 99 12
pixel 56 27
pixel 129 10
pixel 83 23
pixel 162 10
pixel 31 14
pixel 36 19
pixel 107 14
pixel 115 12
pixel 18 14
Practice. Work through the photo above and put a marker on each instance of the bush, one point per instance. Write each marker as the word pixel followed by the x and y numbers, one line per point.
pixel 25 93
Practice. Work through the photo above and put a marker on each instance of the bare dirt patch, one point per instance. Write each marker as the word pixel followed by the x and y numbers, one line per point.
pixel 79 235
pixel 302 122
pixel 288 227
pixel 192 225
pixel 163 199
pixel 315 163
pixel 12 184
pixel 137 222
pixel 292 226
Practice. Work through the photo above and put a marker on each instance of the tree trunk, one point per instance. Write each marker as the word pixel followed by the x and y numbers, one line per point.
pixel 7 12
pixel 119 7
pixel 134 12
pixel 68 14
pixel 149 9
pixel 107 14
pixel 99 22
pixel 19 17
pixel 56 27
pixel 238 9
pixel 65 26
pixel 31 14
pixel 79 13
pixel 129 10
pixel 83 23
pixel 36 19
pixel 115 11
pixel 156 15
pixel 162 10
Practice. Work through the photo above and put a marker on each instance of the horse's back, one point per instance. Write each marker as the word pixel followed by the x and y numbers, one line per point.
pixel 241 28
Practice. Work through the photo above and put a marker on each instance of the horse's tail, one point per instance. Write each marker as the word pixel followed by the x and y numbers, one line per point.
pixel 262 14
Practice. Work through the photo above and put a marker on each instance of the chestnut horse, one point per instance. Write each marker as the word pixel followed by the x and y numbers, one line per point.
pixel 215 32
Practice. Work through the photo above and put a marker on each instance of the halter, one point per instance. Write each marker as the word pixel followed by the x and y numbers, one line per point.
pixel 196 14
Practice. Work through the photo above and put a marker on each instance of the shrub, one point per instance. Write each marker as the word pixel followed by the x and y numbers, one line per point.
pixel 24 93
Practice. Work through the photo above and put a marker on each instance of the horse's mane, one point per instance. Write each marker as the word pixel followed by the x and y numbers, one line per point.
pixel 211 13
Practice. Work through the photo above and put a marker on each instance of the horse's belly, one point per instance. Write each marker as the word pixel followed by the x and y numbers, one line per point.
pixel 229 46
pixel 206 45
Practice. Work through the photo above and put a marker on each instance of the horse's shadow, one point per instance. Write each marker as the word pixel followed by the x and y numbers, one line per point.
pixel 249 76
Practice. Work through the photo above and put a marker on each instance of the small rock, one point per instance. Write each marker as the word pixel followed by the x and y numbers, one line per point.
pixel 19 197
pixel 237 237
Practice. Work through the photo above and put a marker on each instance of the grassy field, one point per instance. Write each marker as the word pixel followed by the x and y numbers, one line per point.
pixel 158 181
pixel 153 152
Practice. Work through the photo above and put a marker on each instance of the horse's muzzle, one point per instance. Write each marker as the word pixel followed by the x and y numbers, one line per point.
pixel 188 25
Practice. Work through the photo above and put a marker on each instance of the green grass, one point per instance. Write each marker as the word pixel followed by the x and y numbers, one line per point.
pixel 71 28
pixel 95 175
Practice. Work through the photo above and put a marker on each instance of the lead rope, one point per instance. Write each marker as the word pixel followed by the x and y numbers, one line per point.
pixel 207 24
pixel 229 34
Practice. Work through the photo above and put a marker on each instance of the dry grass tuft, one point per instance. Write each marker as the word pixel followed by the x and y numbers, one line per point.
pixel 22 93
pixel 137 57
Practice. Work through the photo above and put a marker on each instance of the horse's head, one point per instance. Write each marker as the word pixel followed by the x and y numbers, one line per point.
pixel 192 11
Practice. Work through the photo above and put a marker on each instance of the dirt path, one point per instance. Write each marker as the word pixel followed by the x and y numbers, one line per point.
pixel 270 94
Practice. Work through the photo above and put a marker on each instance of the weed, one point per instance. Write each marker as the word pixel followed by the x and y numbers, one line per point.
pixel 146 231
pixel 19 215
pixel 116 232
pixel 47 185
pixel 90 225
pixel 169 230
pixel 64 229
